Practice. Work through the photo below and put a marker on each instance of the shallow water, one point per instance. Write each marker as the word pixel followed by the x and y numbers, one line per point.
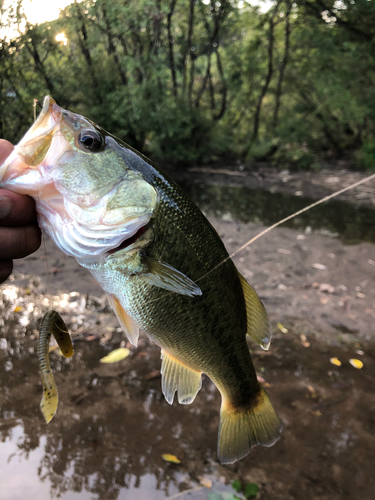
pixel 350 223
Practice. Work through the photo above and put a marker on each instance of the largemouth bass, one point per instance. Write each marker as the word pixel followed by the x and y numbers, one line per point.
pixel 162 264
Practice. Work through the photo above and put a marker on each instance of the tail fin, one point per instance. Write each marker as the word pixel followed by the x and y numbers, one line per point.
pixel 242 428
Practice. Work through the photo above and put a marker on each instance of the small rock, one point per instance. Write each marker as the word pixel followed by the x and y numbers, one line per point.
pixel 326 288
pixel 321 267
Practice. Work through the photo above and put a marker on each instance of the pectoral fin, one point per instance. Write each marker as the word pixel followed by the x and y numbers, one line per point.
pixel 165 276
pixel 127 323
pixel 178 377
pixel 258 327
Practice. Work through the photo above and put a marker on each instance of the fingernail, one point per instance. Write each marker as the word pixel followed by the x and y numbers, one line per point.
pixel 5 206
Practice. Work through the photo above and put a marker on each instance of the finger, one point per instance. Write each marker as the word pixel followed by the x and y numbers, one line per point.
pixel 6 268
pixel 18 242
pixel 5 149
pixel 16 209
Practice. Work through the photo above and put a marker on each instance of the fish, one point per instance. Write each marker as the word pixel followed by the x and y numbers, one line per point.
pixel 163 266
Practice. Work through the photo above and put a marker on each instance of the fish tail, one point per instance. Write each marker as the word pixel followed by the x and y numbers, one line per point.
pixel 242 428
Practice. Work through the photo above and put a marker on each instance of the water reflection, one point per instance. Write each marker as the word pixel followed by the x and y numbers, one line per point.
pixel 112 425
pixel 351 224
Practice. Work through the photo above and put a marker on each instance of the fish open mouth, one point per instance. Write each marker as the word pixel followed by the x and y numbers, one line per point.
pixel 129 241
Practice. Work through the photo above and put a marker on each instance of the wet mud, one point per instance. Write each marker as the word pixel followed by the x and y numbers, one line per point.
pixel 113 425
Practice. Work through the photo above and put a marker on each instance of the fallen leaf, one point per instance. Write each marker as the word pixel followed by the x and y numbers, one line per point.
pixel 152 375
pixel 282 328
pixel 205 482
pixel 18 309
pixel 284 251
pixel 90 337
pixel 170 458
pixel 335 361
pixel 321 267
pixel 116 355
pixel 357 363
pixel 323 300
pixel 304 340
pixel 371 262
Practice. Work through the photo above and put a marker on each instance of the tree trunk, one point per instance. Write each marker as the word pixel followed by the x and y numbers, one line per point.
pixel 171 41
pixel 271 40
pixel 284 62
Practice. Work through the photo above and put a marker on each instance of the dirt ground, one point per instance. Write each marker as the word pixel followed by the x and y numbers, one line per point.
pixel 113 424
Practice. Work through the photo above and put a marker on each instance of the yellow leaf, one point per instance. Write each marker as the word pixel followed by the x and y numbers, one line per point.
pixel 282 328
pixel 357 363
pixel 116 355
pixel 335 361
pixel 205 482
pixel 170 458
pixel 18 309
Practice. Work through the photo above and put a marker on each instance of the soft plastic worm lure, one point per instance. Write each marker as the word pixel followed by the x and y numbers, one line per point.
pixel 52 324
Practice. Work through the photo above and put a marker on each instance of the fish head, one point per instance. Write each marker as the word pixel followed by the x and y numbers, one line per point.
pixel 90 198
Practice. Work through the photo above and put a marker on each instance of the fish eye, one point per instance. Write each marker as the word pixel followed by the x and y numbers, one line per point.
pixel 90 139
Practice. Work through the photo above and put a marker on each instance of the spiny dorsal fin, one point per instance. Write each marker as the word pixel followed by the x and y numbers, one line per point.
pixel 258 327
pixel 165 276
pixel 127 323
pixel 178 377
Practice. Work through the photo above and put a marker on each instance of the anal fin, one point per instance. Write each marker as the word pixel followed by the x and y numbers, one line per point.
pixel 258 327
pixel 178 377
pixel 127 323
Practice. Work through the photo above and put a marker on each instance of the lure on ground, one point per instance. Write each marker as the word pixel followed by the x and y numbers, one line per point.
pixel 162 264
pixel 52 324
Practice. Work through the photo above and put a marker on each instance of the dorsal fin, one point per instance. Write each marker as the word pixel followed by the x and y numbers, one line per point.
pixel 127 323
pixel 258 327
pixel 178 377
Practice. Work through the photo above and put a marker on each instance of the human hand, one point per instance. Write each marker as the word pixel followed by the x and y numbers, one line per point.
pixel 19 232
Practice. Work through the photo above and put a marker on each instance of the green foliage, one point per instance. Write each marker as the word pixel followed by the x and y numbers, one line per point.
pixel 366 156
pixel 191 81
pixel 250 490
